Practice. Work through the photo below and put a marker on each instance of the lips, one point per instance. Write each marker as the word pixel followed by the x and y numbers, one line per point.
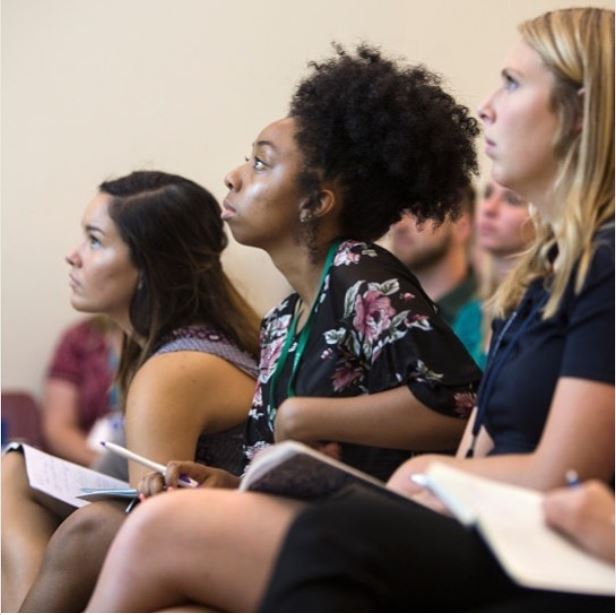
pixel 72 282
pixel 490 145
pixel 228 211
pixel 486 229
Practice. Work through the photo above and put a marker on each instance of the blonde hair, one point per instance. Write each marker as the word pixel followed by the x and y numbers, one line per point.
pixel 577 47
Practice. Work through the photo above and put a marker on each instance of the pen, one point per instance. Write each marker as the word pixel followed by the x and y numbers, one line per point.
pixel 572 478
pixel 185 481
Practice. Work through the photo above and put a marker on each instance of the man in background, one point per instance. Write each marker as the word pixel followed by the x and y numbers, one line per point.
pixel 440 258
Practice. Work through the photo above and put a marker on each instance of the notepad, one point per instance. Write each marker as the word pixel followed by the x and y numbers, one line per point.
pixel 511 521
pixel 295 470
pixel 59 482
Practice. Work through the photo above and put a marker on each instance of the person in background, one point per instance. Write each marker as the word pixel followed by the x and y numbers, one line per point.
pixel 439 256
pixel 79 388
pixel 149 259
pixel 503 230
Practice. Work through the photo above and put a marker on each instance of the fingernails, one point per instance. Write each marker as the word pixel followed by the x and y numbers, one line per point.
pixel 141 497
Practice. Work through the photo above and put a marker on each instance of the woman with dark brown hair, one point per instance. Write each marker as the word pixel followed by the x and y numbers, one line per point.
pixel 150 261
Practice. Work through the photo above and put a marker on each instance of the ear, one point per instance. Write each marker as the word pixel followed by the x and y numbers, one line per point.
pixel 463 228
pixel 319 204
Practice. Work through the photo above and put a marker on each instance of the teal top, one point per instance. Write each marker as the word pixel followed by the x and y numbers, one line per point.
pixel 467 325
pixel 452 302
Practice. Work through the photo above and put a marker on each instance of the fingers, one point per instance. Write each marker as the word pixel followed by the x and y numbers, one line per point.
pixel 563 508
pixel 572 508
pixel 586 515
pixel 177 473
pixel 331 449
pixel 151 484
pixel 185 469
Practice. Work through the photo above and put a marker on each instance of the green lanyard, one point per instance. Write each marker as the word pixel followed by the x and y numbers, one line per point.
pixel 302 340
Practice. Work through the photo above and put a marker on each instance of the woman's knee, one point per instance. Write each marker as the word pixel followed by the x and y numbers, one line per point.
pixel 90 530
pixel 147 524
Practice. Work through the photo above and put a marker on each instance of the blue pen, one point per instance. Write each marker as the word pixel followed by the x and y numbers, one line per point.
pixel 572 478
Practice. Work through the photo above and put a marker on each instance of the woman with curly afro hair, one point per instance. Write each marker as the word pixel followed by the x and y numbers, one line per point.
pixel 357 360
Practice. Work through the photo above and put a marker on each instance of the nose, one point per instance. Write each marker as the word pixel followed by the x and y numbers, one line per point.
pixel 490 206
pixel 73 258
pixel 233 180
pixel 486 110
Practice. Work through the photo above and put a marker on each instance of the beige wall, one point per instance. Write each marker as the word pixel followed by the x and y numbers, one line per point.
pixel 97 88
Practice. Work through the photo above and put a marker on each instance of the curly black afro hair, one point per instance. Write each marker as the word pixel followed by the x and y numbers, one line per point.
pixel 389 135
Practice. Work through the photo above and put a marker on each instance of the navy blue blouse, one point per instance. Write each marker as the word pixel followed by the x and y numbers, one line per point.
pixel 577 342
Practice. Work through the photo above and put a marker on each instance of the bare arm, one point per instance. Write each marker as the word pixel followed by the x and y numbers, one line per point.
pixel 63 435
pixel 483 445
pixel 579 434
pixel 177 396
pixel 391 419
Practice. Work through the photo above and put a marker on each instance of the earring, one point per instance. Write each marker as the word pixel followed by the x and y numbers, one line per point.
pixel 305 216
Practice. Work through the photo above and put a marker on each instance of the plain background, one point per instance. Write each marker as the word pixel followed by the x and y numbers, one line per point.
pixel 93 89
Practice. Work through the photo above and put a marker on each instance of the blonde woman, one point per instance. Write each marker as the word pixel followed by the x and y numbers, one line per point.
pixel 549 132
pixel 547 399
pixel 503 230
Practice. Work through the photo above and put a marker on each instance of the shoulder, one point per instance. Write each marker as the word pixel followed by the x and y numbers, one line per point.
pixel 358 260
pixel 599 278
pixel 182 375
pixel 171 368
pixel 191 337
pixel 603 257
pixel 362 267
pixel 360 255
pixel 206 339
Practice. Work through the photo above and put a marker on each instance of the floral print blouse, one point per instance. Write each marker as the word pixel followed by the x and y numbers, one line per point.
pixel 374 329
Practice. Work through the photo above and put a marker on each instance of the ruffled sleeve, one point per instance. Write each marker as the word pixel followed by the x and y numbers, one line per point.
pixel 392 330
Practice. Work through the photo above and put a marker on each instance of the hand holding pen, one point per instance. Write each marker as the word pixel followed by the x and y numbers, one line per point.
pixel 585 514
pixel 182 481
pixel 176 473
pixel 205 476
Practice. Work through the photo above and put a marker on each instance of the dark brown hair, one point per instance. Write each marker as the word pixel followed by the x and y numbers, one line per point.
pixel 175 235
